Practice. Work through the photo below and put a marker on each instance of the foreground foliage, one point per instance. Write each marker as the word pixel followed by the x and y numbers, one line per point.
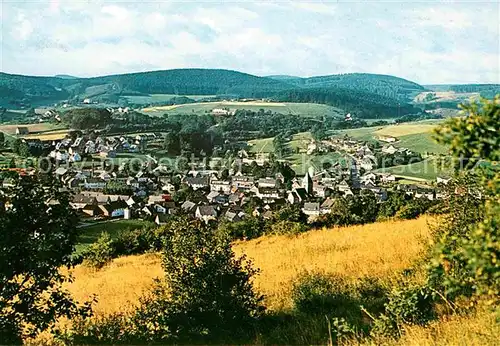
pixel 37 237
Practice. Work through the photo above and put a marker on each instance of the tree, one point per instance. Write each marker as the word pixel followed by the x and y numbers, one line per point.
pixel 2 139
pixel 475 135
pixel 465 261
pixel 24 149
pixel 207 292
pixel 14 145
pixel 37 238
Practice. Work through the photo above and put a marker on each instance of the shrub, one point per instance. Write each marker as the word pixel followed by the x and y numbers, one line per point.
pixel 134 241
pixel 407 305
pixel 99 253
pixel 288 227
pixel 316 293
pixel 207 292
pixel 111 329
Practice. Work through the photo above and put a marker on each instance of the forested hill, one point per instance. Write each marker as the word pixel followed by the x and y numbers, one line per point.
pixel 192 82
pixel 485 90
pixel 387 86
pixel 353 92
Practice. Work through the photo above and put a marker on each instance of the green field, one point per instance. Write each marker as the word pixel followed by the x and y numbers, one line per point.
pixel 415 136
pixel 423 170
pixel 262 145
pixel 156 98
pixel 89 234
pixel 421 143
pixel 303 109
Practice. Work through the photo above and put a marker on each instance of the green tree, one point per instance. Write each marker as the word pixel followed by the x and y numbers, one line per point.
pixel 465 260
pixel 207 292
pixel 14 145
pixel 37 238
pixel 474 135
pixel 24 149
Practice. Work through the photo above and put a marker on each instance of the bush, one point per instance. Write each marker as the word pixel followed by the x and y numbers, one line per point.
pixel 207 292
pixel 99 253
pixel 407 305
pixel 414 208
pixel 111 329
pixel 134 241
pixel 288 227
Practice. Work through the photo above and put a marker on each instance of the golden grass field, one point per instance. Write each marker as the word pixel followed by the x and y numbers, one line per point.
pixel 405 129
pixel 11 129
pixel 216 105
pixel 49 135
pixel 379 250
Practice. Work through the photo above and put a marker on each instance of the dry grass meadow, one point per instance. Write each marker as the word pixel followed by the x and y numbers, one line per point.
pixel 380 250
pixel 39 127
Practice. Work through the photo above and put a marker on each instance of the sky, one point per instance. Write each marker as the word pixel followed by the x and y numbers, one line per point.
pixel 429 42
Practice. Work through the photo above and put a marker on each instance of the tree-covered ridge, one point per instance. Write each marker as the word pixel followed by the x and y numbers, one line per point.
pixel 384 85
pixel 362 103
pixel 194 82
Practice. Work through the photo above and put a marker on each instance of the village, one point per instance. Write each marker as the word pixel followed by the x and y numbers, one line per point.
pixel 147 188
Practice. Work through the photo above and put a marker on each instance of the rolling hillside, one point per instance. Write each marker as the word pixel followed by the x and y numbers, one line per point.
pixel 389 86
pixel 376 95
pixel 358 255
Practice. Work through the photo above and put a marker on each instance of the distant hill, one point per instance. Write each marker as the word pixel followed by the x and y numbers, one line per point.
pixel 353 92
pixel 485 90
pixel 65 76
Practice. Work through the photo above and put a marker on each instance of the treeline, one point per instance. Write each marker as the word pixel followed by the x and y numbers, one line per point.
pixel 387 86
pixel 362 104
pixel 248 124
pixel 87 118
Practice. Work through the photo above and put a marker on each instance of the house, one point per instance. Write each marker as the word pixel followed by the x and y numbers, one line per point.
pixel 91 210
pixel 297 195
pixel 443 180
pixel 311 209
pixel 326 206
pixel 267 183
pixel 387 177
pixel 197 182
pixel 188 206
pixel 389 149
pixel 22 130
pixel 343 186
pixel 161 219
pixel 205 213
pixel 211 195
pixel 243 182
pixel 168 187
pixel 369 177
pixel 267 193
pixel 79 201
pixel 155 200
pixel 221 199
pixel 132 201
pixel 221 186
pixel 94 184
pixel 234 216
pixel 114 209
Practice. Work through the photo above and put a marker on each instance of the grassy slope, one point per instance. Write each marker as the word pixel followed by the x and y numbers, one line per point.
pixel 415 136
pixel 304 109
pixel 379 250
pixel 427 170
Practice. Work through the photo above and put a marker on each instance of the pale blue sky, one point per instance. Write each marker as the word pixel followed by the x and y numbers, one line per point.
pixel 425 41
